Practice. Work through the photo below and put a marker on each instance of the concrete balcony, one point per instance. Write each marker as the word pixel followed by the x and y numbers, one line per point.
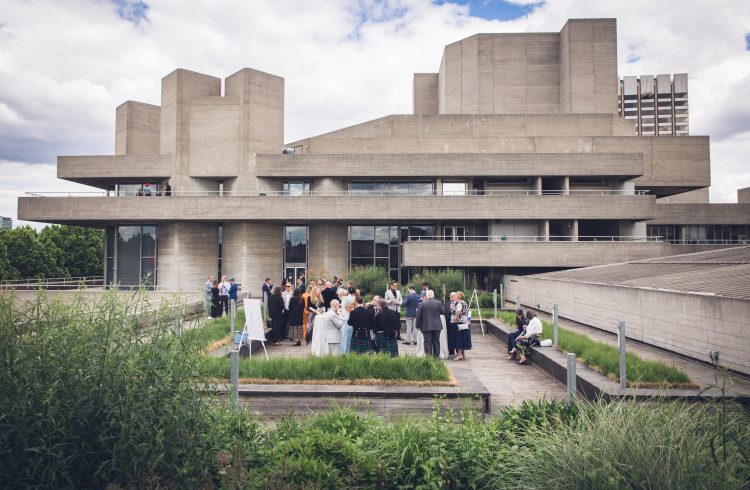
pixel 531 254
pixel 702 214
pixel 624 165
pixel 329 207
pixel 103 170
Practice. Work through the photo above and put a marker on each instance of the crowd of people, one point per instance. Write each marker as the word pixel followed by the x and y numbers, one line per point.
pixel 351 324
pixel 217 296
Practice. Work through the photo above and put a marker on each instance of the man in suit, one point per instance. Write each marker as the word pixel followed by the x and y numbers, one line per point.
pixel 428 322
pixel 329 294
pixel 332 323
pixel 267 289
pixel 362 323
pixel 387 325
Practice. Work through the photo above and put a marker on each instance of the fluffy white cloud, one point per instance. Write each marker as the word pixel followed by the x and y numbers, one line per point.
pixel 65 66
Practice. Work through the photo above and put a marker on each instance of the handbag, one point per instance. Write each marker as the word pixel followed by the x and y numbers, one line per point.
pixel 463 326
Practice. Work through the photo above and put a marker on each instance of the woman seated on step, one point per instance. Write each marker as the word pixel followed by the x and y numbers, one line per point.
pixel 529 339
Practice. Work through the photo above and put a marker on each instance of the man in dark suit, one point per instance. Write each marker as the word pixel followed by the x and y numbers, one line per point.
pixel 387 325
pixel 428 322
pixel 329 294
pixel 362 322
pixel 266 289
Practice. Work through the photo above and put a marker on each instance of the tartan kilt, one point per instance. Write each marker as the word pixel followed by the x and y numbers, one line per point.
pixel 383 344
pixel 360 346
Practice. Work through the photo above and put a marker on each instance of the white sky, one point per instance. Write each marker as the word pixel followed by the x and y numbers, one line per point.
pixel 66 64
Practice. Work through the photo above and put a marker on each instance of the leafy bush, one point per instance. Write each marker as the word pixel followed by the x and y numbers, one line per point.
pixel 348 367
pixel 606 358
pixel 369 279
pixel 486 300
pixel 453 279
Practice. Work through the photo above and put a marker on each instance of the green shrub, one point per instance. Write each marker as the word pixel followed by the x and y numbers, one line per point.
pixel 369 280
pixel 486 300
pixel 453 279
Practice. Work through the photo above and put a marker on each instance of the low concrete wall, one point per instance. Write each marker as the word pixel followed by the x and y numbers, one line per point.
pixel 688 324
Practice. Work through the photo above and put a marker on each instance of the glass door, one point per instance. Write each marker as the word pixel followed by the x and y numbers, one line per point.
pixel 454 233
pixel 293 272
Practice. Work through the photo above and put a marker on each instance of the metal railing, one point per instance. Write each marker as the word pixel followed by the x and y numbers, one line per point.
pixel 356 193
pixel 54 283
pixel 537 238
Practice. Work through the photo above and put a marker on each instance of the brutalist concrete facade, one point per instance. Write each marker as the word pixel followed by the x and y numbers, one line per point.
pixel 515 160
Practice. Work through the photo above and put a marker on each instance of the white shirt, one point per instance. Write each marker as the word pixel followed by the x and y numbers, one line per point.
pixel 534 327
pixel 224 288
pixel 394 303
pixel 287 297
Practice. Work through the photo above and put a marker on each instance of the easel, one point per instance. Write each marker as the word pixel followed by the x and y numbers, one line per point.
pixel 253 327
pixel 475 298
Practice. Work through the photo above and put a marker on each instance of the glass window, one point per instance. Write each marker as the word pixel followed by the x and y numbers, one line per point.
pixel 149 241
pixel 361 188
pixel 421 188
pixel 362 238
pixel 454 188
pixel 128 255
pixel 295 244
pixel 382 240
pixel 300 188
pixel 399 189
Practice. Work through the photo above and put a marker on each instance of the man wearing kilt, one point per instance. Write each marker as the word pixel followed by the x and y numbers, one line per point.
pixel 387 326
pixel 362 323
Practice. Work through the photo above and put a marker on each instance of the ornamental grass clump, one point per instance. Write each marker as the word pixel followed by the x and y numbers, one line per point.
pixel 91 396
pixel 349 367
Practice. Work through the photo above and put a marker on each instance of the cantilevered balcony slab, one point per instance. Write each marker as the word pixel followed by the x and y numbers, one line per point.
pixel 530 254
pixel 312 165
pixel 702 214
pixel 104 170
pixel 331 208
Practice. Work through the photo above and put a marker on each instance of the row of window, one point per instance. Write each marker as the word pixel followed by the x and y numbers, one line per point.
pixel 131 255
pixel 696 234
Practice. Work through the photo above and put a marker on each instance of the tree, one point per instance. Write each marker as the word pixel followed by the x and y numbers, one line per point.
pixel 80 251
pixel 29 258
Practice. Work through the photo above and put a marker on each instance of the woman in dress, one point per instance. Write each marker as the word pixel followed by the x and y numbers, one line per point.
pixel 461 318
pixel 296 310
pixel 215 309
pixel 314 307
pixel 275 311
pixel 452 325
pixel 347 305
pixel 305 310
pixel 530 338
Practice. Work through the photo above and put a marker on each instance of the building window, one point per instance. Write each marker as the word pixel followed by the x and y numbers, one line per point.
pixel 131 253
pixel 296 188
pixel 295 252
pixel 391 188
pixel 380 245
pixel 454 188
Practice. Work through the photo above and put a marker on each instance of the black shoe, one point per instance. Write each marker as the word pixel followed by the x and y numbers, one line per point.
pixel 413 343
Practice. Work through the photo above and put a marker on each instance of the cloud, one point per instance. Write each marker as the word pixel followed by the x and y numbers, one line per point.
pixel 65 66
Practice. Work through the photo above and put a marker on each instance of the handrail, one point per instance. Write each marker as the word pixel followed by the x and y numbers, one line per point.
pixel 358 193
pixel 52 282
pixel 537 238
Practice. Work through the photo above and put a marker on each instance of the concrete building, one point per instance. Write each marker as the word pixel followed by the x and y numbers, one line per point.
pixel 691 304
pixel 5 223
pixel 658 106
pixel 514 161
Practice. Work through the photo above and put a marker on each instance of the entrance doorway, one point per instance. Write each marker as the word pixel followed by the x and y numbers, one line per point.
pixel 292 272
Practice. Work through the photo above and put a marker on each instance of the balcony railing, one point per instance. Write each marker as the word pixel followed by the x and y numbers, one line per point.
pixel 358 193
pixel 538 238
pixel 54 283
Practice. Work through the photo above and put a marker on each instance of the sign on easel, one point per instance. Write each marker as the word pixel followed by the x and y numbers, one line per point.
pixel 475 299
pixel 253 326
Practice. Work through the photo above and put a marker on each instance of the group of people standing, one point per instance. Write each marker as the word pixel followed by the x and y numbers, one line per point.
pixel 349 324
pixel 217 296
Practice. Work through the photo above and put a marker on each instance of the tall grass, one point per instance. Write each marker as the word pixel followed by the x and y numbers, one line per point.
pixel 606 358
pixel 349 367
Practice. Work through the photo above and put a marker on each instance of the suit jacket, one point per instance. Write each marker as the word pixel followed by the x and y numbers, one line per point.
pixel 362 322
pixel 332 324
pixel 329 294
pixel 267 290
pixel 428 316
pixel 388 322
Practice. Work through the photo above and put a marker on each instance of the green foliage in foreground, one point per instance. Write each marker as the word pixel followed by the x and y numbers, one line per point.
pixel 453 279
pixel 607 358
pixel 214 330
pixel 90 398
pixel 369 279
pixel 348 367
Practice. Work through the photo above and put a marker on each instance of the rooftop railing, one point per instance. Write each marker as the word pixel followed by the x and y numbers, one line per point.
pixel 355 193
pixel 539 238
pixel 54 283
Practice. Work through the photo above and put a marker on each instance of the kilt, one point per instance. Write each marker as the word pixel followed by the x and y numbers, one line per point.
pixel 360 346
pixel 383 344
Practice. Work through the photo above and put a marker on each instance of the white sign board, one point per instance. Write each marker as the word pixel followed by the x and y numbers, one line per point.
pixel 254 320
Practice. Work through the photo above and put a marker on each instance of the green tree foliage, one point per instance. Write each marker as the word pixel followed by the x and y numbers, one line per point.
pixel 56 251
pixel 370 280
pixel 453 279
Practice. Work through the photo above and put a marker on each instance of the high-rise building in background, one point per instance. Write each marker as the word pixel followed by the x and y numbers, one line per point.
pixel 5 223
pixel 657 105
pixel 514 161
